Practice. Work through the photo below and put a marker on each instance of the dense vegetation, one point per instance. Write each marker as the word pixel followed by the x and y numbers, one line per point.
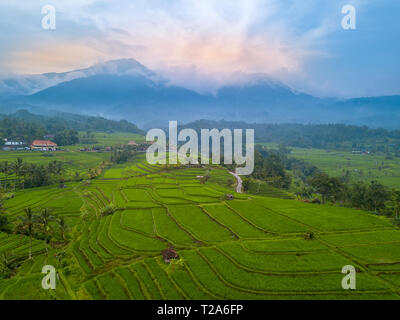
pixel 26 126
pixel 324 136
pixel 30 175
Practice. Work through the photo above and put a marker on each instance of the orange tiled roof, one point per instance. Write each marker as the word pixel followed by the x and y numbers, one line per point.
pixel 43 143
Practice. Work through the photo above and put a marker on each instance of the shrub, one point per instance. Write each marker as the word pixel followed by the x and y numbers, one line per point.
pixel 108 210
pixel 309 236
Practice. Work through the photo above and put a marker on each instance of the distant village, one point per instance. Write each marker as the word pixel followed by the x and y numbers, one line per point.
pixel 39 145
pixel 361 152
pixel 48 145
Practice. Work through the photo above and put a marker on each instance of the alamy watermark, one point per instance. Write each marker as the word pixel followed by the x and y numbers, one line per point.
pixel 49 20
pixel 188 153
pixel 349 20
pixel 49 280
pixel 349 281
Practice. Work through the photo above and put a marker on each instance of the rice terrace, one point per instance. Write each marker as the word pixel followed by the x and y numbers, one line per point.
pixel 248 247
pixel 200 158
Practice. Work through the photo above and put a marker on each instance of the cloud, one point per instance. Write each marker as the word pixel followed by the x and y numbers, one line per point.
pixel 196 43
pixel 213 35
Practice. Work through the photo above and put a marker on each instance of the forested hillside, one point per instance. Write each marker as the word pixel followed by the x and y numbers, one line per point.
pixel 23 125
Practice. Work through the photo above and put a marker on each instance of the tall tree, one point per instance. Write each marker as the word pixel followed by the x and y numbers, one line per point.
pixel 17 166
pixel 3 223
pixel 44 219
pixel 62 226
pixel 377 195
pixel 27 223
pixel 395 202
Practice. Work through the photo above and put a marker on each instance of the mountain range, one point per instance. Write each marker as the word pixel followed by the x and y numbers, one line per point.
pixel 126 89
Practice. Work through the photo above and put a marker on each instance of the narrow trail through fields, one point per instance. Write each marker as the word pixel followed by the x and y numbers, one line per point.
pixel 239 182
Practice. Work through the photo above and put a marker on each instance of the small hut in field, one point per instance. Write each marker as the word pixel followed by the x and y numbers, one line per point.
pixel 169 254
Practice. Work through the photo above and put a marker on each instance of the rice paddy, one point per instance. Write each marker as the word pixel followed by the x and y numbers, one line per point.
pixel 252 247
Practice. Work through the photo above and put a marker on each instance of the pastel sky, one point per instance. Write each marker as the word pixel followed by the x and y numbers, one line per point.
pixel 203 44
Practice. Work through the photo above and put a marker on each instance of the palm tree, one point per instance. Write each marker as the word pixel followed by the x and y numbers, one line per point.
pixel 27 224
pixel 63 226
pixel 44 219
pixel 395 202
pixel 17 166
pixel 6 258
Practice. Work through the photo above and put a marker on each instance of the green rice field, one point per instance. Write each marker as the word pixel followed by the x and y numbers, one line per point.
pixel 361 167
pixel 252 247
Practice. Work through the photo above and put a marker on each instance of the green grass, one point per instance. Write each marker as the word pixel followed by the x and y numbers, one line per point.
pixel 284 246
pixel 112 288
pixel 169 290
pixel 132 240
pixel 296 262
pixel 141 220
pixel 249 280
pixel 73 161
pixel 361 167
pixel 111 139
pixel 199 224
pixel 362 238
pixel 167 228
pixel 322 217
pixel 147 281
pixel 266 219
pixel 252 247
pixel 376 253
pixel 238 225
pixel 264 189
pixel 131 283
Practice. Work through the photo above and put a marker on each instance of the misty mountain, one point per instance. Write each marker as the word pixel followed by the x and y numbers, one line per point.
pixel 15 85
pixel 125 89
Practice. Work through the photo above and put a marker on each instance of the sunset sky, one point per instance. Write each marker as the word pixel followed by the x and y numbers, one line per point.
pixel 204 43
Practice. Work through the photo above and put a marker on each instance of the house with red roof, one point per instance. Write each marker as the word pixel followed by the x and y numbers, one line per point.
pixel 132 143
pixel 43 145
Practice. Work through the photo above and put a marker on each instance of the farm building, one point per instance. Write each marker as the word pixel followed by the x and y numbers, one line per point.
pixel 14 145
pixel 132 143
pixel 169 254
pixel 43 145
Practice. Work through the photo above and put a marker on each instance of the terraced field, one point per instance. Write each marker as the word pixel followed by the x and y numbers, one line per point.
pixel 252 247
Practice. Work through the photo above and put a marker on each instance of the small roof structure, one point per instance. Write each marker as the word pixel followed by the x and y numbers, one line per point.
pixel 43 143
pixel 132 143
pixel 169 254
pixel 14 143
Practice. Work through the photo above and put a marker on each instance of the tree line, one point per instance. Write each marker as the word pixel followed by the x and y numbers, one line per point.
pixel 25 126
pixel 30 175
pixel 41 224
pixel 321 136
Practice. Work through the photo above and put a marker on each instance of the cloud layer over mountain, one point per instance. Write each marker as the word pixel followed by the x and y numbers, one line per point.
pixel 126 89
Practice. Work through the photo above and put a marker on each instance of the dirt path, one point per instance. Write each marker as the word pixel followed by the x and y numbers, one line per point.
pixel 239 182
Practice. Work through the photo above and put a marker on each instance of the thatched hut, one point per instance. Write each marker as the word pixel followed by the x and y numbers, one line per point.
pixel 169 254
